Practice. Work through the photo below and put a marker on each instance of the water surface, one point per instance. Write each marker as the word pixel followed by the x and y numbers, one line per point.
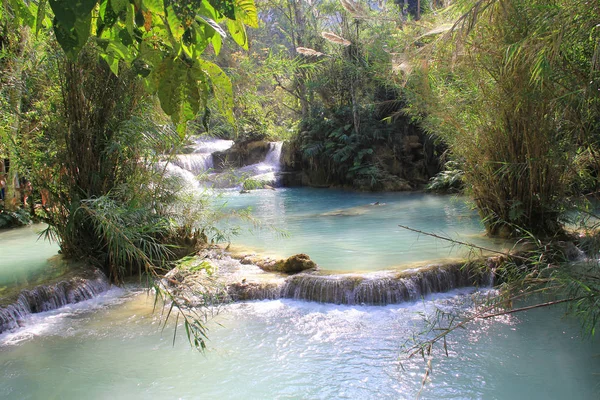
pixel 353 231
pixel 24 259
pixel 288 349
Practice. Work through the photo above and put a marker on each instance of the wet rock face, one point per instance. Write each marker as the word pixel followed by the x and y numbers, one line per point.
pixel 241 154
pixel 292 265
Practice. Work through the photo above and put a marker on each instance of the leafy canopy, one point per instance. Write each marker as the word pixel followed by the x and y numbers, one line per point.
pixel 163 40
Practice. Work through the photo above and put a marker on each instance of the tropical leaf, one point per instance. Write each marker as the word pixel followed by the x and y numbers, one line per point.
pixel 212 23
pixel 224 7
pixel 238 32
pixel 221 86
pixel 72 23
pixel 23 13
pixel 175 24
pixel 119 6
pixel 155 6
pixel 246 10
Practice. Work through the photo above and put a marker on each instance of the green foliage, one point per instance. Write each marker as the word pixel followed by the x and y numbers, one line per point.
pixel 252 184
pixel 449 180
pixel 11 219
pixel 163 40
pixel 500 90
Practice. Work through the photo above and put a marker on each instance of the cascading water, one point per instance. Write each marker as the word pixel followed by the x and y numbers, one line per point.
pixel 248 282
pixel 188 166
pixel 266 170
pixel 201 159
pixel 51 297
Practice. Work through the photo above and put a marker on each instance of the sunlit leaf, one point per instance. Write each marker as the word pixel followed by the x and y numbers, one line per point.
pixel 119 6
pixel 23 13
pixel 238 33
pixel 246 9
pixel 224 7
pixel 175 24
pixel 212 24
pixel 155 6
pixel 222 87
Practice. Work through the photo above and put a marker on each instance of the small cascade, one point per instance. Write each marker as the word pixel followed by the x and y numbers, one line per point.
pixel 187 178
pixel 273 157
pixel 50 297
pixel 196 163
pixel 368 289
pixel 265 171
pixel 201 159
pixel 382 289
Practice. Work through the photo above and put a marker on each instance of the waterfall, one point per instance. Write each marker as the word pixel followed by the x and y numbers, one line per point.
pixel 188 166
pixel 195 162
pixel 187 178
pixel 201 160
pixel 267 170
pixel 368 289
pixel 50 297
pixel 273 157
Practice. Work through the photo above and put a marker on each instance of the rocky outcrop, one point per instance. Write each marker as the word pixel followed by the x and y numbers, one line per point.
pixel 295 264
pixel 241 154
pixel 239 279
pixel 292 265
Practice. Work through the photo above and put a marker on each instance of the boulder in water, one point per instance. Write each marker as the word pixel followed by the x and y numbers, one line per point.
pixel 292 265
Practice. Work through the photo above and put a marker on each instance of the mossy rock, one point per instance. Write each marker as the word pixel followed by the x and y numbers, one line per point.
pixel 292 265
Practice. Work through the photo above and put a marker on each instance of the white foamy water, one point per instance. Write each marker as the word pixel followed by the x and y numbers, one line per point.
pixel 201 159
pixel 266 170
pixel 289 349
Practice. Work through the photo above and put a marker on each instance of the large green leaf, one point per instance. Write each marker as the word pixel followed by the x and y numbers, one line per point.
pixel 217 42
pixel 66 11
pixel 224 7
pixel 238 32
pixel 179 91
pixel 221 86
pixel 246 11
pixel 175 24
pixel 119 6
pixel 72 22
pixel 72 39
pixel 155 6
pixel 212 23
pixel 112 61
pixel 22 13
